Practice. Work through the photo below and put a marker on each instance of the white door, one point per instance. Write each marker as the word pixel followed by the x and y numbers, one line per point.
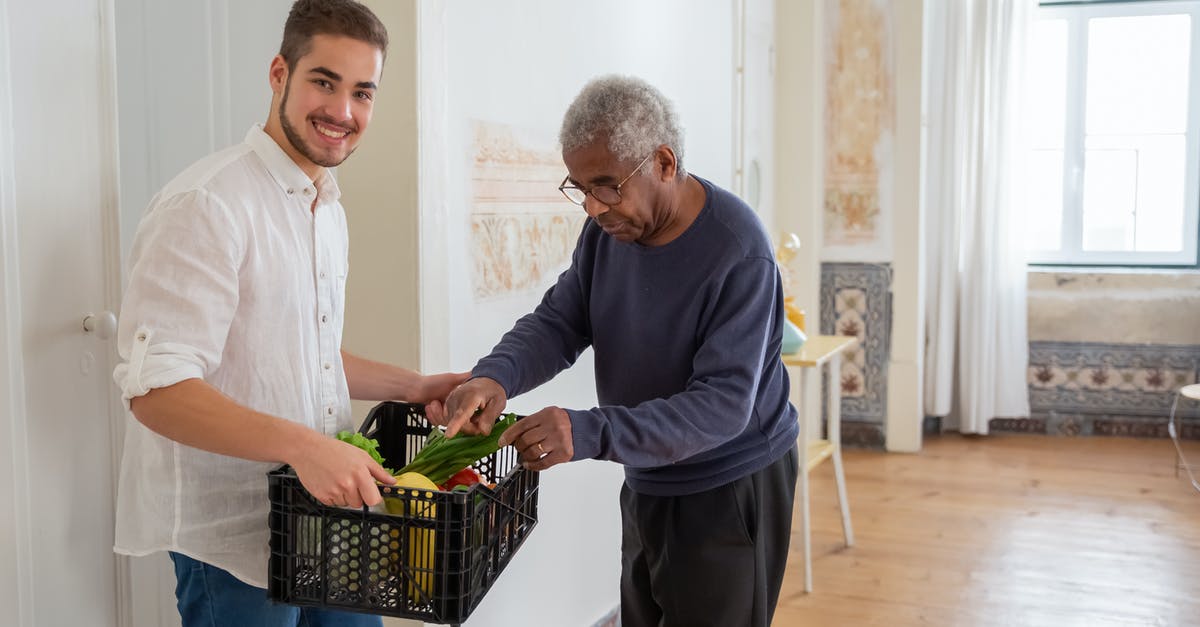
pixel 57 191
pixel 192 78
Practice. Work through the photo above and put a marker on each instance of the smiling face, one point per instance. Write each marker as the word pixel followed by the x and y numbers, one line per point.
pixel 322 107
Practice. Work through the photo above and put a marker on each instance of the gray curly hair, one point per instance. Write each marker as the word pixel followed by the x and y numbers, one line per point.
pixel 634 116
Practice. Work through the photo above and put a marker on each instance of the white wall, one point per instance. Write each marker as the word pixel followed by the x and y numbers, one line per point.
pixel 799 150
pixel 191 79
pixel 799 187
pixel 519 63
pixel 905 407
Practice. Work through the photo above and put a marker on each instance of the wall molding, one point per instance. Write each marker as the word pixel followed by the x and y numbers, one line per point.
pixel 432 187
pixel 110 223
pixel 15 575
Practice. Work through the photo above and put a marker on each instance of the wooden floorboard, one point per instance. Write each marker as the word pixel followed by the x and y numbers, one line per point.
pixel 1003 530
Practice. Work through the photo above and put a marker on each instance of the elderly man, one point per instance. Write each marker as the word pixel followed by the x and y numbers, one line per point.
pixel 673 283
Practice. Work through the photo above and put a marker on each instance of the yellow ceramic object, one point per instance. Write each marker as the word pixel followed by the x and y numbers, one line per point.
pixel 794 313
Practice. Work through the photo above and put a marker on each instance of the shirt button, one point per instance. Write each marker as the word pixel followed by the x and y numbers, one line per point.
pixel 328 365
pixel 329 410
pixel 307 192
pixel 322 275
pixel 324 318
pixel 291 191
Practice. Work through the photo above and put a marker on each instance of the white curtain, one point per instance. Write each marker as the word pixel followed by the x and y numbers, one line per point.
pixel 977 347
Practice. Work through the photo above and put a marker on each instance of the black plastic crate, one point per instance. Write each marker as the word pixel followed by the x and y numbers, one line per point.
pixel 433 559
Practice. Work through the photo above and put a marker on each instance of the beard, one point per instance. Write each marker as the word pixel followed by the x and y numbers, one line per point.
pixel 297 141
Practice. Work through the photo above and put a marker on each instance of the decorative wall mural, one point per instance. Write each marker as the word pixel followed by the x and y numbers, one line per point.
pixel 522 229
pixel 859 119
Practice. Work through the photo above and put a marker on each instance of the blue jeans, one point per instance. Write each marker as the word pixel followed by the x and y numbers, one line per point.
pixel 210 597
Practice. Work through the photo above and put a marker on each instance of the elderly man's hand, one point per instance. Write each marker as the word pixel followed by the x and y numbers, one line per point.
pixel 432 390
pixel 543 439
pixel 473 407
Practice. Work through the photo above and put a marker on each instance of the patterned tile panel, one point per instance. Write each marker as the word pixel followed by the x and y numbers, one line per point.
pixel 856 300
pixel 1117 379
pixel 1091 388
pixel 1018 425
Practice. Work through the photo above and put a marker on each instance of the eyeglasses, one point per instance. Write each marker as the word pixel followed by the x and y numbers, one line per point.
pixel 607 194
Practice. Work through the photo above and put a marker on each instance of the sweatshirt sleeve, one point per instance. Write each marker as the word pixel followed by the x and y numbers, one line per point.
pixel 544 342
pixel 738 334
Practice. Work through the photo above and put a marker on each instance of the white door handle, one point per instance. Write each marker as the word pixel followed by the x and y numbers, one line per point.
pixel 103 324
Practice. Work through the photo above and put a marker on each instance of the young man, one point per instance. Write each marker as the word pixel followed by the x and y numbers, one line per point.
pixel 673 284
pixel 231 329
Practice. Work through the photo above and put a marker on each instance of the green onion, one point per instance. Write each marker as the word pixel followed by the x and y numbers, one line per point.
pixel 442 457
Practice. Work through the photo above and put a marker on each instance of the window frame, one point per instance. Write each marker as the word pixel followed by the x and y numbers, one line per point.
pixel 1070 252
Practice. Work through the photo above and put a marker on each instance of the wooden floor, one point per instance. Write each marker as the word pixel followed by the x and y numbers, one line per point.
pixel 1003 530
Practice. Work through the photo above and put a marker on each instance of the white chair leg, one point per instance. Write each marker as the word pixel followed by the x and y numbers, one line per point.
pixel 835 438
pixel 839 474
pixel 1173 431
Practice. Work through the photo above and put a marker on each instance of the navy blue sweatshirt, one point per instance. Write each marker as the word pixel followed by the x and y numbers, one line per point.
pixel 687 339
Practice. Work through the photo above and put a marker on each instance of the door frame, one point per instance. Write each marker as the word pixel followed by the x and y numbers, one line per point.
pixel 16 589
pixel 110 220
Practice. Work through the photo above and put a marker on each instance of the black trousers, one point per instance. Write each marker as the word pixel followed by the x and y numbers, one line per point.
pixel 715 558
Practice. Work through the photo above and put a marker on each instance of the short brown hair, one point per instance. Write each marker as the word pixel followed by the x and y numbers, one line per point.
pixel 346 18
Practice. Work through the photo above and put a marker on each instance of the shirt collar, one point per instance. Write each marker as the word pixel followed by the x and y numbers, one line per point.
pixel 290 178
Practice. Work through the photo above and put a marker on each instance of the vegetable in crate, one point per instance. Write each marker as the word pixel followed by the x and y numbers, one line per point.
pixel 464 478
pixel 438 461
pixel 442 457
pixel 371 446
pixel 420 541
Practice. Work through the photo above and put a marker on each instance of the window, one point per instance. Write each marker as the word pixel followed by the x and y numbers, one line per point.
pixel 1114 94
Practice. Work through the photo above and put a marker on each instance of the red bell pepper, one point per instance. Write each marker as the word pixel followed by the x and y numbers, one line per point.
pixel 465 477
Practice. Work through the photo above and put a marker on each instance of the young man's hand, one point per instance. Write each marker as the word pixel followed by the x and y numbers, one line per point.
pixel 337 473
pixel 432 391
pixel 436 387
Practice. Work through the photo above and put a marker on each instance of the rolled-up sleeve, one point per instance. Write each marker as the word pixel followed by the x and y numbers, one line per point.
pixel 182 293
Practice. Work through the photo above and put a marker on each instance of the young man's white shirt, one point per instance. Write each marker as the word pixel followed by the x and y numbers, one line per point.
pixel 235 279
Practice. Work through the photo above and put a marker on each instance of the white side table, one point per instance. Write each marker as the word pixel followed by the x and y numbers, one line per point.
pixel 820 351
